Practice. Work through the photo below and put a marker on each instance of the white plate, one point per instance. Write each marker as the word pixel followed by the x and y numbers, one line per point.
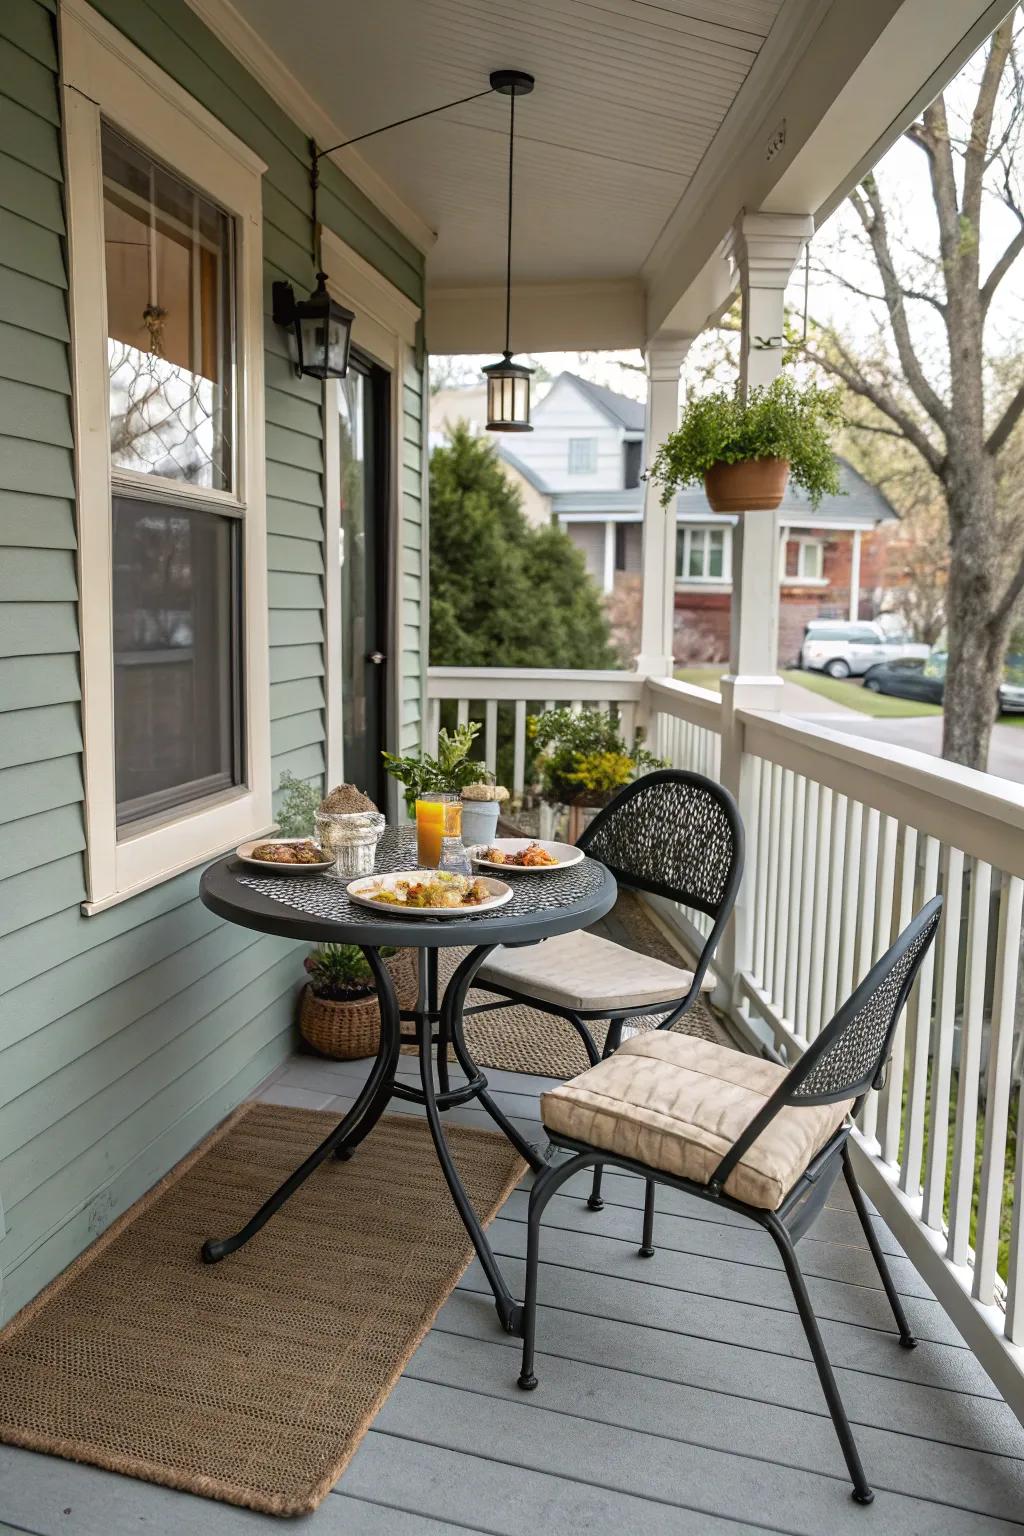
pixel 362 891
pixel 565 853
pixel 244 852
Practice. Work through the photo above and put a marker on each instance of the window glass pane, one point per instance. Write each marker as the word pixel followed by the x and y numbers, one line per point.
pixel 582 455
pixel 811 564
pixel 355 591
pixel 177 675
pixel 696 565
pixel 716 546
pixel 168 256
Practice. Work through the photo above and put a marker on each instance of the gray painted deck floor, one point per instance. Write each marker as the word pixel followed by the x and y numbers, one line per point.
pixel 676 1394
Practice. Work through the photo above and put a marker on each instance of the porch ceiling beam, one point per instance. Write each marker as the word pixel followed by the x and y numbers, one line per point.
pixel 546 317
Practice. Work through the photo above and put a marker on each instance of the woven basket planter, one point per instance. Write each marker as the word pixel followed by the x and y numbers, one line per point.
pixel 348 1030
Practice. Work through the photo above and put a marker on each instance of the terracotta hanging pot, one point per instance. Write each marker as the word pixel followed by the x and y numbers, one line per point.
pixel 752 485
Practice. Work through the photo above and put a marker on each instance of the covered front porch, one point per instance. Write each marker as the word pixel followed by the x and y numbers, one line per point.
pixel 672 161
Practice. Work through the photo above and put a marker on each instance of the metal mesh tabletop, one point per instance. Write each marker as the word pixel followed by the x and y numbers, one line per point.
pixel 318 907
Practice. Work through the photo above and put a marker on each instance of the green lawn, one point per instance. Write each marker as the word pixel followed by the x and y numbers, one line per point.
pixel 877 705
pixel 854 696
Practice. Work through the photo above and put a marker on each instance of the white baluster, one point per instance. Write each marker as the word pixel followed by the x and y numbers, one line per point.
pixel 818 922
pixel 998 1089
pixel 491 735
pixel 919 1033
pixel 795 902
pixel 961 1190
pixel 942 1056
pixel 890 1107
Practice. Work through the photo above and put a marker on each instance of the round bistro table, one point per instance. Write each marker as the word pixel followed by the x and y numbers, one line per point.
pixel 317 909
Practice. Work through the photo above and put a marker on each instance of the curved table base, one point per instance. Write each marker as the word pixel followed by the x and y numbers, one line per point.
pixel 381 1087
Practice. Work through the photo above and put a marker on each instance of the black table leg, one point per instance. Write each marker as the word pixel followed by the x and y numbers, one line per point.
pixel 357 1123
pixel 451 1011
pixel 510 1312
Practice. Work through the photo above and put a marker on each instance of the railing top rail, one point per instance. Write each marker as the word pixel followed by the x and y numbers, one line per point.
pixel 556 674
pixel 701 706
pixel 540 683
pixel 973 811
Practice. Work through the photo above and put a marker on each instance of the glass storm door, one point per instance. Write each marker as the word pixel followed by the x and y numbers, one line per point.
pixel 363 429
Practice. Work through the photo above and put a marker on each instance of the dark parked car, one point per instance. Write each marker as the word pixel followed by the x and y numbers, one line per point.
pixel 910 677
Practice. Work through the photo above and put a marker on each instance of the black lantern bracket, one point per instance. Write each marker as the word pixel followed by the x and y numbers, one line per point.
pixel 322 328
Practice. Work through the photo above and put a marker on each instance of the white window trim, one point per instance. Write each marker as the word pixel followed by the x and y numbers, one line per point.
pixel 687 530
pixel 103 73
pixel 803 542
pixel 385 329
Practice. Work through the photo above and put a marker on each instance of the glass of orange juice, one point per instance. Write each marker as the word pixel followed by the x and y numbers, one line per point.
pixel 438 815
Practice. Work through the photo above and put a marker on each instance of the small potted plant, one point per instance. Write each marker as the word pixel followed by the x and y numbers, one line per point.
pixel 339 1015
pixel 451 770
pixel 481 803
pixel 584 760
pixel 745 451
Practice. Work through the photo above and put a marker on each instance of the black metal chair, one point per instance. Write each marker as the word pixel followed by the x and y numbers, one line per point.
pixel 671 833
pixel 775 1165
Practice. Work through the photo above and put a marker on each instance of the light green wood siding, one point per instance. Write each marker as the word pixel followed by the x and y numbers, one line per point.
pixel 126 1036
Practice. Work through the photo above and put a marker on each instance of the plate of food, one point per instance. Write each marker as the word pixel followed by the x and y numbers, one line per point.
pixel 525 855
pixel 429 893
pixel 289 855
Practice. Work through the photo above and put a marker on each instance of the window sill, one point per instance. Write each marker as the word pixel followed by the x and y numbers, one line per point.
pixel 818 582
pixel 703 584
pixel 103 903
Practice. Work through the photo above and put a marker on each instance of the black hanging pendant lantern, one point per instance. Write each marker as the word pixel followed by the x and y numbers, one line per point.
pixel 508 383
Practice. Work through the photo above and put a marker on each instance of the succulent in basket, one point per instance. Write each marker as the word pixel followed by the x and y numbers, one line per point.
pixel 339 973
pixel 584 758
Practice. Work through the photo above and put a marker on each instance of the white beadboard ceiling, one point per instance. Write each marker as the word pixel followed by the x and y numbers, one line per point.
pixel 630 94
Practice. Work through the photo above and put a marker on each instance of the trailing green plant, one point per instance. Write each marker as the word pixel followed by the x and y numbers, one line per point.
pixel 583 755
pixel 777 421
pixel 299 805
pixel 452 769
pixel 341 972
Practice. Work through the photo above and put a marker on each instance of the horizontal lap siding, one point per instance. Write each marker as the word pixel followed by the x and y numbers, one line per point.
pixel 126 1036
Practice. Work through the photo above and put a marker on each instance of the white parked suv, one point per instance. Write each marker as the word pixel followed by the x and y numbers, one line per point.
pixel 843 649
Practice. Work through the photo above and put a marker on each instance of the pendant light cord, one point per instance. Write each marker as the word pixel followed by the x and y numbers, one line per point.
pixel 508 243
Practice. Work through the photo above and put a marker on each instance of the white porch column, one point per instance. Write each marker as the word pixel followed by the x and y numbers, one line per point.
pixel 764 248
pixel 855 577
pixel 664 358
pixel 609 556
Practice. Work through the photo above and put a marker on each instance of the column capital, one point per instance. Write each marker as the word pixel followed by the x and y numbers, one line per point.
pixel 664 355
pixel 764 248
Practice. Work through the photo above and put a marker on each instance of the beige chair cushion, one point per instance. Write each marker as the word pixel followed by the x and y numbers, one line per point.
pixel 678 1103
pixel 585 973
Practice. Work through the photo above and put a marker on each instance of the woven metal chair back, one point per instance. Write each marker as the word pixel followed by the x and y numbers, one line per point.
pixel 852 1051
pixel 675 834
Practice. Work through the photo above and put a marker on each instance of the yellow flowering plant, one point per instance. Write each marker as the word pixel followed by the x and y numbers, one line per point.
pixel 584 757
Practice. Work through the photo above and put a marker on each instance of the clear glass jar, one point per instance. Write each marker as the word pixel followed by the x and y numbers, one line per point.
pixel 351 839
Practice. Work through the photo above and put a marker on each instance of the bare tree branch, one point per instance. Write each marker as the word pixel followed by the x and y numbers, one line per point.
pixel 981 123
pixel 867 202
pixel 1001 431
pixel 879 397
pixel 1000 269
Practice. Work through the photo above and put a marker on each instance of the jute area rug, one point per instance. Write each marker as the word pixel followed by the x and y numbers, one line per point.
pixel 523 1039
pixel 253 1380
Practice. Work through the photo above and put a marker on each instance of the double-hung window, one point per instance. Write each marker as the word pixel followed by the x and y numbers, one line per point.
pixel 803 560
pixel 582 455
pixel 166 303
pixel 703 554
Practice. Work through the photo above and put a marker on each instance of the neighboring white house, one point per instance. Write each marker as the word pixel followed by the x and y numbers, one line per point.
pixel 582 465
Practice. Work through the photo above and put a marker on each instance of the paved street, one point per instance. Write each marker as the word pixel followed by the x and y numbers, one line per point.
pixel 1006 757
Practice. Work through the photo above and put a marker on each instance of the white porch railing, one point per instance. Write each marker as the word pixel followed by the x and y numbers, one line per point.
pixel 845 840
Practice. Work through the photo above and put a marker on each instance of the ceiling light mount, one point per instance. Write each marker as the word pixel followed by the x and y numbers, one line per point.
pixel 512 82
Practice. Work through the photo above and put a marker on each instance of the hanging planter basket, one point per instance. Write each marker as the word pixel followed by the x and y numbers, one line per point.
pixel 752 485
pixel 347 1031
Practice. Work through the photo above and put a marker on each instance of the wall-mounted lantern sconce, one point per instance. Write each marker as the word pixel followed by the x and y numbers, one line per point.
pixel 321 329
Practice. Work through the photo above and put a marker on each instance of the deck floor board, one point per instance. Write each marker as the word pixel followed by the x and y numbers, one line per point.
pixel 677 1393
